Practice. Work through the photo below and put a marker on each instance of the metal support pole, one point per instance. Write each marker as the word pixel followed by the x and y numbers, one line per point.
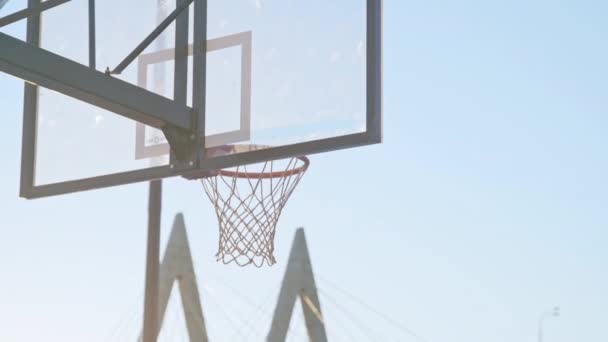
pixel 92 38
pixel 152 262
pixel 199 70
pixel 540 328
pixel 541 321
pixel 30 110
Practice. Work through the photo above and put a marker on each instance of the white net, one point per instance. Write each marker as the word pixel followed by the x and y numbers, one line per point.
pixel 248 201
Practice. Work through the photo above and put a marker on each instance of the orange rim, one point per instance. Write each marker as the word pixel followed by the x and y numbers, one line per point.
pixel 267 175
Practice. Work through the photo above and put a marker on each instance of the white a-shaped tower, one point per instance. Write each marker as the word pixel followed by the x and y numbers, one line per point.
pixel 177 267
pixel 299 281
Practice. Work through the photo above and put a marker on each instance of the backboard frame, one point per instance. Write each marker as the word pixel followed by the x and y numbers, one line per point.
pixel 374 112
pixel 205 162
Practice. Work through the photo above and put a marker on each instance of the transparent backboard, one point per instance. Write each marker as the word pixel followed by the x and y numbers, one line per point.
pixel 282 78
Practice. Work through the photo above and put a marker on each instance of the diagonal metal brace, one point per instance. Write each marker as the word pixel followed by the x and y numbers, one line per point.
pixel 149 39
pixel 29 12
pixel 70 78
pixel 43 68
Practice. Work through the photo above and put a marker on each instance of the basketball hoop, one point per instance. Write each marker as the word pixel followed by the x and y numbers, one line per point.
pixel 248 201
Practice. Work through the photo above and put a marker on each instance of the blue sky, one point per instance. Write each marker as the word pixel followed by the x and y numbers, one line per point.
pixel 483 207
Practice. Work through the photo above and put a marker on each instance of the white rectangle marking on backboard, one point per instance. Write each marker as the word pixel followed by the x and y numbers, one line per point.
pixel 151 143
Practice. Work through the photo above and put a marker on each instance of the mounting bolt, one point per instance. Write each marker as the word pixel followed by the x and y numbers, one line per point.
pixel 193 137
pixel 172 166
pixel 191 163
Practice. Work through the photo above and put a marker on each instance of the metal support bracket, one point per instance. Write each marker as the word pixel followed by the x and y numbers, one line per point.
pixel 182 142
pixel 60 74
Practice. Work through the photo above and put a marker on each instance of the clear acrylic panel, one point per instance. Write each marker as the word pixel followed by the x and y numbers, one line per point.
pixel 280 73
pixel 308 67
pixel 277 73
